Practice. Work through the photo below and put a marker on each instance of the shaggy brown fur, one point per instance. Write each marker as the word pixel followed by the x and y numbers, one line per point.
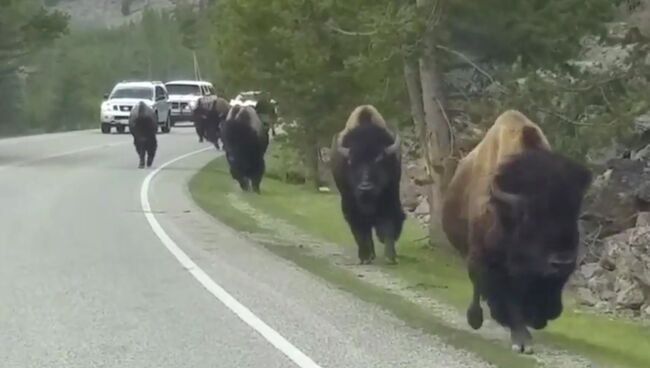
pixel 512 208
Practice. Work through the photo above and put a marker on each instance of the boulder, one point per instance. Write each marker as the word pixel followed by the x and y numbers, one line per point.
pixel 586 297
pixel 409 194
pixel 643 219
pixel 616 196
pixel 602 286
pixel 630 295
pixel 422 208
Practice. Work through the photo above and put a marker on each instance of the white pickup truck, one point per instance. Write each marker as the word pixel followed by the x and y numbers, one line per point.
pixel 183 95
pixel 117 105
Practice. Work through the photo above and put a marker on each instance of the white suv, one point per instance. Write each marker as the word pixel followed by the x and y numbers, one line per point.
pixel 183 95
pixel 117 105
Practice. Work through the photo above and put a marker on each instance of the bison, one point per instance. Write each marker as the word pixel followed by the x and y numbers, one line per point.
pixel 245 142
pixel 208 114
pixel 366 166
pixel 512 209
pixel 143 127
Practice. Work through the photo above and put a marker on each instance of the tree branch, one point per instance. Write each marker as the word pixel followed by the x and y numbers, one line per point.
pixel 330 25
pixel 467 60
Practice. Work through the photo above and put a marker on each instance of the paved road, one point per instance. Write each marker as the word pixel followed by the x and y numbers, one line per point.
pixel 86 282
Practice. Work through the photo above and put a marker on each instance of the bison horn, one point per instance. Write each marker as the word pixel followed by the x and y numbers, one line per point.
pixel 393 147
pixel 502 196
pixel 345 152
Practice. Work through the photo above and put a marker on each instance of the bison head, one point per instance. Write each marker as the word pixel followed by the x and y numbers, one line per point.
pixel 537 198
pixel 371 163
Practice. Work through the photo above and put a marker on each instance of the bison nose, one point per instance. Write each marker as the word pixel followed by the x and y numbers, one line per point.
pixel 365 187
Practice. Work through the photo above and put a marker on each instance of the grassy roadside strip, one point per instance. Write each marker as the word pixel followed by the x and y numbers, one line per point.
pixel 432 273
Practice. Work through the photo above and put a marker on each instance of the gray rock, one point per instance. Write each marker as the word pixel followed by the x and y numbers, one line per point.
pixel 613 200
pixel 604 306
pixel 409 194
pixel 602 286
pixel 643 154
pixel 422 208
pixel 589 270
pixel 586 297
pixel 642 123
pixel 643 219
pixel 630 295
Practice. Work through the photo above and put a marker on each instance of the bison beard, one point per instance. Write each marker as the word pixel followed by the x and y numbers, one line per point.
pixel 366 170
pixel 245 143
pixel 143 127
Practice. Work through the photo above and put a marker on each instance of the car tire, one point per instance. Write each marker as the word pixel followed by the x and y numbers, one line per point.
pixel 106 128
pixel 167 126
pixel 120 129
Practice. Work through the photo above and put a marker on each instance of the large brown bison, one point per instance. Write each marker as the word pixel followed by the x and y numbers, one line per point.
pixel 143 125
pixel 366 165
pixel 208 115
pixel 245 141
pixel 512 208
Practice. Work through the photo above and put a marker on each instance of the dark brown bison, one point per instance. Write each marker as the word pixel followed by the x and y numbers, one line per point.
pixel 245 141
pixel 512 208
pixel 366 165
pixel 143 126
pixel 207 116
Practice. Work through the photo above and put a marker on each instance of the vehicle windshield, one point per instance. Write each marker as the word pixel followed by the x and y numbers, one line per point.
pixel 183 89
pixel 134 92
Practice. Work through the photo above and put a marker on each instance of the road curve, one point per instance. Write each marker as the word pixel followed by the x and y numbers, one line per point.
pixel 85 281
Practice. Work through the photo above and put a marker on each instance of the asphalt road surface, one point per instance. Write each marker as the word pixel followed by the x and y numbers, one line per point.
pixel 90 279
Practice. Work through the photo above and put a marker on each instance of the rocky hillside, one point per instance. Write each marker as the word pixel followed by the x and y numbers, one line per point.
pixel 104 13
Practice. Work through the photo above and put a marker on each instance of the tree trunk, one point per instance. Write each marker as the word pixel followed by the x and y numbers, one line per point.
pixel 313 162
pixel 424 84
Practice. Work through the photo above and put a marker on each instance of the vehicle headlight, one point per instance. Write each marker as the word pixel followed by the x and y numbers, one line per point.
pixel 107 107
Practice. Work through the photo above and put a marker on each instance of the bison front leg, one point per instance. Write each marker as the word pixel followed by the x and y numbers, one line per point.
pixel 474 311
pixel 387 234
pixel 365 245
pixel 519 335
pixel 200 131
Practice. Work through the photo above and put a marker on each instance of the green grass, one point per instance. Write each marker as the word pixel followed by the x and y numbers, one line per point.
pixel 434 272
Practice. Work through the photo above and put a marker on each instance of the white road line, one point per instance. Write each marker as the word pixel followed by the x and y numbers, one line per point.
pixel 61 154
pixel 272 336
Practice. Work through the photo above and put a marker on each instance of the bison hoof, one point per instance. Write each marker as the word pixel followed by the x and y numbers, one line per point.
pixel 141 166
pixel 475 317
pixel 365 261
pixel 391 260
pixel 522 341
pixel 522 349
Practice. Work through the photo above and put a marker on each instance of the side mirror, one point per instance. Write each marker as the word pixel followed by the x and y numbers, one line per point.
pixel 105 96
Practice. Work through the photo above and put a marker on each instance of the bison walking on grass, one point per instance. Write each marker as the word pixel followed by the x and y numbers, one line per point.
pixel 366 165
pixel 512 208
pixel 245 141
pixel 143 127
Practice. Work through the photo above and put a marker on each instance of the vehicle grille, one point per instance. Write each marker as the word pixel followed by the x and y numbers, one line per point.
pixel 126 108
pixel 174 105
